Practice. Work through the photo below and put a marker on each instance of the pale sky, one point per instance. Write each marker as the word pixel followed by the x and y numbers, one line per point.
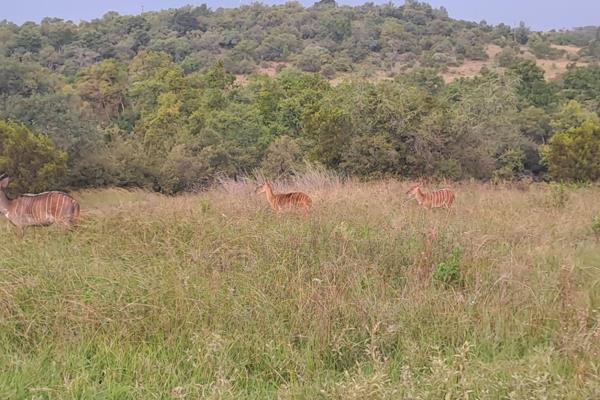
pixel 538 14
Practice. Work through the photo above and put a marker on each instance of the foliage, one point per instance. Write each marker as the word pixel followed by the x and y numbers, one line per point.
pixel 596 225
pixel 507 57
pixel 448 271
pixel 521 33
pixel 32 162
pixel 282 158
pixel 575 154
pixel 510 165
pixel 151 100
pixel 571 115
pixel 583 84
pixel 533 89
pixel 541 48
pixel 317 37
pixel 102 88
pixel 370 157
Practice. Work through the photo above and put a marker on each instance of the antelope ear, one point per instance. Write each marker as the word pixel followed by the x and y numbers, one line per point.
pixel 4 182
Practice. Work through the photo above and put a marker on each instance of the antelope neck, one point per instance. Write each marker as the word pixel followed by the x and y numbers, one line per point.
pixel 419 195
pixel 270 195
pixel 4 202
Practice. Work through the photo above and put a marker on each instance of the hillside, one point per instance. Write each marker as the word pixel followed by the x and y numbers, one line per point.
pixel 172 100
pixel 324 38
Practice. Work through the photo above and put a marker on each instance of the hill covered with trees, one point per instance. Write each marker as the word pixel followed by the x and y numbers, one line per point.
pixel 172 99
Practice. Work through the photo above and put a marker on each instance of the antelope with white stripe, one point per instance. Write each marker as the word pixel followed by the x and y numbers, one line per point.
pixel 285 201
pixel 435 199
pixel 38 209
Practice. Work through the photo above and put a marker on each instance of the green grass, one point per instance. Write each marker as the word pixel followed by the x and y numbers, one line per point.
pixel 213 296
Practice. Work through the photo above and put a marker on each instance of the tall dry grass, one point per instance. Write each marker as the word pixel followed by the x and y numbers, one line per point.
pixel 211 295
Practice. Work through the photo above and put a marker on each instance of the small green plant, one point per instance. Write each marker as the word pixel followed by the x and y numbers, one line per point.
pixel 559 196
pixel 448 271
pixel 596 225
pixel 205 206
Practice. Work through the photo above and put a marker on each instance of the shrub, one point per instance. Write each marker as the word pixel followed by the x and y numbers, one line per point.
pixel 596 225
pixel 33 163
pixel 370 156
pixel 510 165
pixel 448 272
pixel 574 155
pixel 283 158
pixel 507 57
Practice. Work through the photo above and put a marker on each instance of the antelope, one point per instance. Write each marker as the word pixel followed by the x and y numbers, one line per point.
pixel 38 209
pixel 435 199
pixel 280 202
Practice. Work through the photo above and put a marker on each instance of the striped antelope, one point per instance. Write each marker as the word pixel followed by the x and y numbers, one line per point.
pixel 280 202
pixel 435 199
pixel 38 209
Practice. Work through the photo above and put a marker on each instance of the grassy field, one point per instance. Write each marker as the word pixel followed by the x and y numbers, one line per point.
pixel 212 296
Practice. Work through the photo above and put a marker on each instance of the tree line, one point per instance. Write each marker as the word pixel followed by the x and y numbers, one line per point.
pixel 132 113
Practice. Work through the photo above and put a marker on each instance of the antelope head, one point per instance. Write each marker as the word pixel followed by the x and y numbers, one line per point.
pixel 413 190
pixel 265 187
pixel 4 201
pixel 4 182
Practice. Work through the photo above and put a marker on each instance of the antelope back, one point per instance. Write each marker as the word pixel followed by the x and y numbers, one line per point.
pixel 44 208
pixel 296 199
pixel 439 198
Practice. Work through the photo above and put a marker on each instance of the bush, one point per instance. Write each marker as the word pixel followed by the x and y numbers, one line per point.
pixel 370 156
pixel 574 155
pixel 542 49
pixel 33 163
pixel 507 57
pixel 312 58
pixel 283 158
pixel 448 272
pixel 510 165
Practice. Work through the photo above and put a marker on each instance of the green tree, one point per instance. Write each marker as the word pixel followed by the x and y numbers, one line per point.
pixel 159 131
pixel 574 155
pixel 102 87
pixel 510 165
pixel 282 158
pixel 521 33
pixel 58 32
pixel 28 39
pixel 533 88
pixel 370 157
pixel 571 115
pixel 25 79
pixel 31 161
pixel 582 84
pixel 184 22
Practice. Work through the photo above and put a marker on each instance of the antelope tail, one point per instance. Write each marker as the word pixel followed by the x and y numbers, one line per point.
pixel 75 212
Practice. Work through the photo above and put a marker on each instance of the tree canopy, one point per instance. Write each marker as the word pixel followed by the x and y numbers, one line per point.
pixel 158 100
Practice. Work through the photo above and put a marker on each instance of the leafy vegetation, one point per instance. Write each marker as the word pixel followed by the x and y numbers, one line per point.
pixel 152 100
pixel 32 160
pixel 448 271
pixel 596 225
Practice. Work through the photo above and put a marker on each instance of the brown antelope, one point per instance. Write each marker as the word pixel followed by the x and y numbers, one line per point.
pixel 38 209
pixel 435 199
pixel 281 202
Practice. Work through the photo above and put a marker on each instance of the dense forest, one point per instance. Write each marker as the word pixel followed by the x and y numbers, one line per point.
pixel 171 100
